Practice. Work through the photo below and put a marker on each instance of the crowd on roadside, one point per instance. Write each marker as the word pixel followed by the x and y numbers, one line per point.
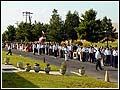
pixel 109 55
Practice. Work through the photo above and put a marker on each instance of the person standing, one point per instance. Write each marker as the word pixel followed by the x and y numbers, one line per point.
pixel 107 54
pixel 34 48
pixel 95 49
pixel 50 49
pixel 98 59
pixel 115 58
pixel 84 54
pixel 55 50
pixel 78 52
pixel 38 48
pixel 9 50
pixel 91 53
pixel 70 51
pixel 66 50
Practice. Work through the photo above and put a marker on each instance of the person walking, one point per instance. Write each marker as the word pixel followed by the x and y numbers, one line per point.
pixel 66 50
pixel 98 59
pixel 9 50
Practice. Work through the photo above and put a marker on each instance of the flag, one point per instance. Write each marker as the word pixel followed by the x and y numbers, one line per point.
pixel 43 32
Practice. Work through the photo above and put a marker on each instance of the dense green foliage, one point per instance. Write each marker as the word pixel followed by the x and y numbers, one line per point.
pixel 55 28
pixel 72 21
pixel 10 34
pixel 94 30
pixel 74 27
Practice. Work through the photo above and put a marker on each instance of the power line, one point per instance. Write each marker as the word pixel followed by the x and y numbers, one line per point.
pixel 27 14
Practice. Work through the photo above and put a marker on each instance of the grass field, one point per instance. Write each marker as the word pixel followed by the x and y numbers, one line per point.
pixel 38 80
pixel 16 58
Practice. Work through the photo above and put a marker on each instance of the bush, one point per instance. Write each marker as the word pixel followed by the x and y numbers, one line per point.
pixel 63 68
pixel 47 68
pixel 78 42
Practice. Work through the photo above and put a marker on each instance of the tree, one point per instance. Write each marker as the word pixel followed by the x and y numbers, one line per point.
pixel 5 36
pixel 46 30
pixel 9 35
pixel 108 29
pixel 72 21
pixel 37 31
pixel 24 32
pixel 89 28
pixel 56 27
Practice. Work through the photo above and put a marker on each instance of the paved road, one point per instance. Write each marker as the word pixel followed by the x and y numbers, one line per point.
pixel 73 65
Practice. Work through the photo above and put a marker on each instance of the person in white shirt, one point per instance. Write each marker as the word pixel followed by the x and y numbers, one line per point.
pixel 107 54
pixel 91 51
pixel 34 48
pixel 17 45
pixel 87 53
pixel 115 58
pixel 66 50
pixel 38 48
pixel 42 49
pixel 95 49
pixel 98 59
pixel 21 47
pixel 55 50
pixel 50 49
pixel 63 52
pixel 84 54
pixel 9 50
pixel 70 51
pixel 47 47
pixel 60 50
pixel 78 52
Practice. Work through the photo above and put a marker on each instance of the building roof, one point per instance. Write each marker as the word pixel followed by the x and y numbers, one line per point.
pixel 115 25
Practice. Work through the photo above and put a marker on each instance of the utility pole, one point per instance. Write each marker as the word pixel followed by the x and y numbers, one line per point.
pixel 27 14
pixel 16 23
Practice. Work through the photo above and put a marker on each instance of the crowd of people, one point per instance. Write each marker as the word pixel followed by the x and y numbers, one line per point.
pixel 108 56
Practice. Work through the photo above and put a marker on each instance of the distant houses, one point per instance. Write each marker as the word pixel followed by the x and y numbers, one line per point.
pixel 115 25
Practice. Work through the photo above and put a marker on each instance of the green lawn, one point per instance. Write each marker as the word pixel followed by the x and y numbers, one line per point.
pixel 16 58
pixel 38 80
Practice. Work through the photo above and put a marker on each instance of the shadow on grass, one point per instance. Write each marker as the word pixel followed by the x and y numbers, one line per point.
pixel 13 80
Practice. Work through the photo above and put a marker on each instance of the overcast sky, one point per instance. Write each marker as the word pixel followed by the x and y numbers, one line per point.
pixel 11 11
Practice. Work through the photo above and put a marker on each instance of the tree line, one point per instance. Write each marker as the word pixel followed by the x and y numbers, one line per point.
pixel 74 27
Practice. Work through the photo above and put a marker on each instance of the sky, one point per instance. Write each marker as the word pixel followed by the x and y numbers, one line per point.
pixel 11 11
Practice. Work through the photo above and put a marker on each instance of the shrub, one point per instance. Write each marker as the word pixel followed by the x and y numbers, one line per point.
pixel 63 68
pixel 78 42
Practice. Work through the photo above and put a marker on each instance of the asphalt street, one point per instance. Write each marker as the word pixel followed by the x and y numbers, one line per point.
pixel 74 65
